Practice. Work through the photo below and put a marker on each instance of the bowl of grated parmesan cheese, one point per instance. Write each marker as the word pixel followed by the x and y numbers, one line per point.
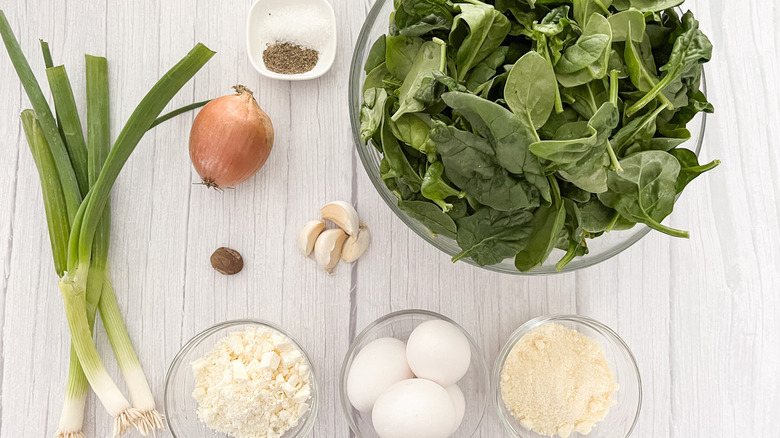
pixel 567 376
pixel 242 379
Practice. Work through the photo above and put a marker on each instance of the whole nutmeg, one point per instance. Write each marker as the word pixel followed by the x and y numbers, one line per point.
pixel 227 261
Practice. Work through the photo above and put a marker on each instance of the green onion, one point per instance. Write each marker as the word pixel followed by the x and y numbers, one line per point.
pixel 140 121
pixel 68 116
pixel 45 118
pixel 100 290
pixel 174 113
pixel 75 282
pixel 47 61
pixel 53 198
pixel 80 231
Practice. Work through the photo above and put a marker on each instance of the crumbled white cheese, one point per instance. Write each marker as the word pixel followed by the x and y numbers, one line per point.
pixel 253 384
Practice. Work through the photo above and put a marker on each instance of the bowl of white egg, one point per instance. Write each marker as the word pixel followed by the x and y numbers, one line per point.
pixel 414 373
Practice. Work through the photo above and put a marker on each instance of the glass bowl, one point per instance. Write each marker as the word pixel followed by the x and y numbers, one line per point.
pixel 475 384
pixel 621 418
pixel 601 249
pixel 181 408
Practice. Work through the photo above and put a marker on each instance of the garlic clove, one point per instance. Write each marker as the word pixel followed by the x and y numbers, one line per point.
pixel 327 249
pixel 355 246
pixel 308 236
pixel 342 214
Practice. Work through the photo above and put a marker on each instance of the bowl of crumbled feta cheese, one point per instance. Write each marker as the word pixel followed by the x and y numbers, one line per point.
pixel 242 379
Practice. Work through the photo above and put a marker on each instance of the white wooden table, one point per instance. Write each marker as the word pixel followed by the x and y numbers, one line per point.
pixel 701 315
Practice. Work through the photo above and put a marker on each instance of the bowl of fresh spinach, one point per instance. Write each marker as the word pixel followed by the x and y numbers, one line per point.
pixel 531 137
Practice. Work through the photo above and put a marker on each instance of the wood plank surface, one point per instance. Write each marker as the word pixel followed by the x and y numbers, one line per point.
pixel 700 315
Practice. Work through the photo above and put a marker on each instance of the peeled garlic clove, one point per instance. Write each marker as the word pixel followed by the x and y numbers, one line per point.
pixel 308 236
pixel 355 246
pixel 342 214
pixel 327 249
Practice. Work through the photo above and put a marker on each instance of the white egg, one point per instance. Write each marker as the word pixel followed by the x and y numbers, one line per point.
pixel 459 401
pixel 438 351
pixel 376 367
pixel 415 408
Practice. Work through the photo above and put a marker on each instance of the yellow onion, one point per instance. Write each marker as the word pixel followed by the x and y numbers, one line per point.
pixel 230 139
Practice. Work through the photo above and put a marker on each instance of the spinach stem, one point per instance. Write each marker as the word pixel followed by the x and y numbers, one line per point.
pixel 616 167
pixel 613 222
pixel 570 254
pixel 614 87
pixel 629 140
pixel 546 54
pixel 664 229
pixel 652 94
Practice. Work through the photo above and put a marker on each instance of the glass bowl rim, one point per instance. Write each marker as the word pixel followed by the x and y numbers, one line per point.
pixel 418 228
pixel 313 411
pixel 539 321
pixel 346 407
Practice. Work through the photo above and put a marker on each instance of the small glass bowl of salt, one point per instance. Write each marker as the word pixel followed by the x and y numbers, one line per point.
pixel 291 40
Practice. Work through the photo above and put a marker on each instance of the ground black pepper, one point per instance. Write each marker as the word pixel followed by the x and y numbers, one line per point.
pixel 289 59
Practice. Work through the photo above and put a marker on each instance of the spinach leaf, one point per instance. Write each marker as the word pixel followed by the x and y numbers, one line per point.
pixel 586 99
pixel 401 53
pixel 437 222
pixel 642 75
pixel 419 17
pixel 546 226
pixel 460 209
pixel 584 9
pixel 430 58
pixel 486 70
pixel 556 120
pixel 394 154
pixel 690 168
pixel 554 22
pixel 489 236
pixel 436 189
pixel 596 216
pixel 371 112
pixel 376 78
pixel 588 58
pixel 627 23
pixel 476 32
pixel 413 129
pixel 655 5
pixel 691 49
pixel 646 190
pixel 508 135
pixel 580 156
pixel 470 163
pixel 377 54
pixel 641 128
pixel 449 82
pixel 530 90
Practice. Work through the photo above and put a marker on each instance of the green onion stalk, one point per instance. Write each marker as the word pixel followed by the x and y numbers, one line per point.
pixel 87 231
pixel 79 231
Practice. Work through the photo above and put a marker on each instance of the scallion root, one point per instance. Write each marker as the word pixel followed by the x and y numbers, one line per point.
pixel 61 434
pixel 150 422
pixel 126 420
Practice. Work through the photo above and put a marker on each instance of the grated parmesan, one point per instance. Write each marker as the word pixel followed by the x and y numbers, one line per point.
pixel 253 384
pixel 557 381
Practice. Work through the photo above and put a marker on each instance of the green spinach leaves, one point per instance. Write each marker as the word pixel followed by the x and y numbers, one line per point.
pixel 522 128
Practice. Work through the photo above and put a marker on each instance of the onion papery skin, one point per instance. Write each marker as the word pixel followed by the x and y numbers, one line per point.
pixel 230 139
